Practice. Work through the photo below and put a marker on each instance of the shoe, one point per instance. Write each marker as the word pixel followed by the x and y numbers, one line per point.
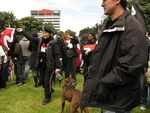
pixel 46 101
pixel 142 108
pixel 16 82
pixel 3 89
pixel 52 91
pixel 35 81
pixel 21 84
pixel 36 85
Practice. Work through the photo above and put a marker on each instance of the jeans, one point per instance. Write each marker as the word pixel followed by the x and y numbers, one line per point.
pixel 108 111
pixel 144 91
pixel 26 68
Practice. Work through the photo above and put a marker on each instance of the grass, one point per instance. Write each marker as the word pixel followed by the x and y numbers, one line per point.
pixel 27 99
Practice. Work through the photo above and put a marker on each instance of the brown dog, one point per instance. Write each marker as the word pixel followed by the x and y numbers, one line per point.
pixel 72 95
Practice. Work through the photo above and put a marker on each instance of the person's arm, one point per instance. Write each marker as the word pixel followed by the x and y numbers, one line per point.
pixel 29 37
pixel 1 61
pixel 56 57
pixel 17 50
pixel 30 47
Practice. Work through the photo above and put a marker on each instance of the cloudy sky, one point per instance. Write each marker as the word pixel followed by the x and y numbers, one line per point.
pixel 75 14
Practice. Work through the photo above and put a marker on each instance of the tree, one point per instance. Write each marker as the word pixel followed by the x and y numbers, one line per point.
pixel 7 19
pixel 30 24
pixel 84 32
pixel 71 33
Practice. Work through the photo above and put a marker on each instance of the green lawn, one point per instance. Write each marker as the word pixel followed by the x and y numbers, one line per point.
pixel 27 99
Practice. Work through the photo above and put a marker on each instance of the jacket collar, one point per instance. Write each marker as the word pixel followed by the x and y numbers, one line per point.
pixel 117 25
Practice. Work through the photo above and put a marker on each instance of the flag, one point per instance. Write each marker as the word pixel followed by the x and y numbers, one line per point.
pixel 89 47
pixel 136 12
pixel 7 36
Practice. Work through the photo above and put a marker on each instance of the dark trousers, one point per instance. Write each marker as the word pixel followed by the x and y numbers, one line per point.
pixel 144 91
pixel 3 75
pixel 18 69
pixel 85 70
pixel 46 80
pixel 70 68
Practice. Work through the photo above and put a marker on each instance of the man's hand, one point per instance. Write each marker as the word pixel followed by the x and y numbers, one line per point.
pixel 86 52
pixel 57 71
pixel 19 30
pixel 146 74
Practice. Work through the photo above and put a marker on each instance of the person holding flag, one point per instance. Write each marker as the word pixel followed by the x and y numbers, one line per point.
pixel 47 60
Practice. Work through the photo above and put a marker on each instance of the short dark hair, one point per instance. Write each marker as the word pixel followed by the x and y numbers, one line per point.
pixel 123 3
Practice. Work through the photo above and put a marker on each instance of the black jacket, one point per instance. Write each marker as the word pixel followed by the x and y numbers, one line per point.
pixel 74 42
pixel 17 55
pixel 52 52
pixel 33 47
pixel 119 57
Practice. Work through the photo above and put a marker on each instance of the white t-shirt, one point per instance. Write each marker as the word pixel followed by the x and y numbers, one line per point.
pixel 2 53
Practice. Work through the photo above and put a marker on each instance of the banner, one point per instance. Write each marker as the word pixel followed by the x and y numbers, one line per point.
pixel 7 36
pixel 89 47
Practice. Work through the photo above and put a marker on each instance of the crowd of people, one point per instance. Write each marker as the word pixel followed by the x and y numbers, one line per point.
pixel 46 56
pixel 115 61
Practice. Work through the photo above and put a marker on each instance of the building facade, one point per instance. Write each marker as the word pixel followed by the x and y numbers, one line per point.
pixel 47 16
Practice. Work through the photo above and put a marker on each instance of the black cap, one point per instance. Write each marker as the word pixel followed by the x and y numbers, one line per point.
pixel 34 34
pixel 47 30
pixel 92 33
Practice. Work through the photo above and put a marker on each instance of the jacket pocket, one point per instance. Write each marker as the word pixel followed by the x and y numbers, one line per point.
pixel 102 92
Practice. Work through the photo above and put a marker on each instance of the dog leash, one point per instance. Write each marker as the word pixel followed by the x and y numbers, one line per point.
pixel 86 73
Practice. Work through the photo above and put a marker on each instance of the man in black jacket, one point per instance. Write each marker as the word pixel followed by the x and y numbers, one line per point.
pixel 87 52
pixel 113 81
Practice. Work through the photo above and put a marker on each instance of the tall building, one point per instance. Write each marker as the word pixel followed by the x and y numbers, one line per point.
pixel 46 16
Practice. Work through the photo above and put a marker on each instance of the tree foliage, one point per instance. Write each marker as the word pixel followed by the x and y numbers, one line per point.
pixel 84 32
pixel 71 33
pixel 7 19
pixel 30 24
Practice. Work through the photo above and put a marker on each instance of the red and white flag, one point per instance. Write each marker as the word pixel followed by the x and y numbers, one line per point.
pixel 89 47
pixel 7 36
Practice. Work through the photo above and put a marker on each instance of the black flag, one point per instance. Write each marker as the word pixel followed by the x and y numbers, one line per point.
pixel 136 12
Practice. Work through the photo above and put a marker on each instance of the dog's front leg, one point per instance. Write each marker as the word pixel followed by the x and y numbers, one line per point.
pixel 62 105
pixel 86 110
pixel 74 107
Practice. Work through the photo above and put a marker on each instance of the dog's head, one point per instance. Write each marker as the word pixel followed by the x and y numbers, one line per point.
pixel 69 82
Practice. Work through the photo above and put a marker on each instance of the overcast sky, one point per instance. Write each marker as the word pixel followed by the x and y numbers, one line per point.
pixel 75 14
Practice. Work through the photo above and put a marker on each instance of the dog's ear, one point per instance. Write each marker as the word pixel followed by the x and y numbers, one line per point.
pixel 73 82
pixel 67 82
